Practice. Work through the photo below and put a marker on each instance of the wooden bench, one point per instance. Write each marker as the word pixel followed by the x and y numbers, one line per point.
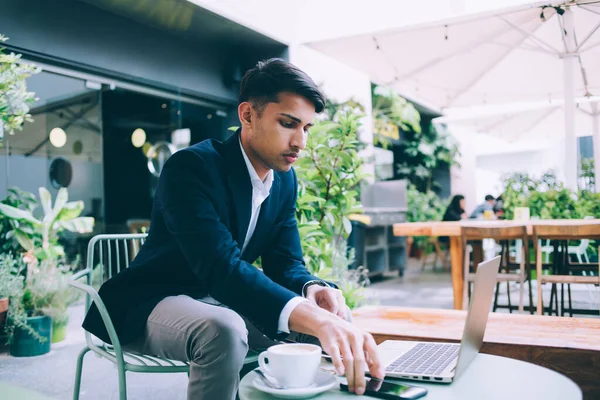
pixel 570 346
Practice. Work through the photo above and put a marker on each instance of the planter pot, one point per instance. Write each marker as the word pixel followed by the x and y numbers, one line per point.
pixel 3 312
pixel 24 344
pixel 59 331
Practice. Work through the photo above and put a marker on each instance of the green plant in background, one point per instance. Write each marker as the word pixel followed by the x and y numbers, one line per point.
pixel 587 175
pixel 11 282
pixel 40 236
pixel 15 100
pixel 546 196
pixel 423 206
pixel 392 113
pixel 45 291
pixel 329 173
pixel 553 204
pixel 18 199
pixel 588 204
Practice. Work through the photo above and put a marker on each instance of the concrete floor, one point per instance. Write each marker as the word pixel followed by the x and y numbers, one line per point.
pixel 53 373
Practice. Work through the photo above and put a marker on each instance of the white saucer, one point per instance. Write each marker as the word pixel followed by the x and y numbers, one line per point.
pixel 323 382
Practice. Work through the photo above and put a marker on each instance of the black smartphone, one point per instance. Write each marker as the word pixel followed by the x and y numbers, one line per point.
pixel 390 390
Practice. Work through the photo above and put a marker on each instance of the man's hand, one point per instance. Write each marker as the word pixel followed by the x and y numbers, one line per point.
pixel 351 349
pixel 329 299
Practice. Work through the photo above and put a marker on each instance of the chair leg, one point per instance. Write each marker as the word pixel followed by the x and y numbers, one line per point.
pixel 78 372
pixel 122 381
pixel 496 297
pixel 522 277
pixel 570 300
pixel 562 299
pixel 466 262
pixel 508 295
pixel 538 268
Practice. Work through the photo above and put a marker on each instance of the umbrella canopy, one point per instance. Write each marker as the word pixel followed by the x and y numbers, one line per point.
pixel 541 51
pixel 531 122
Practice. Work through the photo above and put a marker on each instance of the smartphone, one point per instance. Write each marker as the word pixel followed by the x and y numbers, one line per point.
pixel 390 390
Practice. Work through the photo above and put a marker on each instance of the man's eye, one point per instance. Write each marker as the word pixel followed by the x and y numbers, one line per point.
pixel 287 124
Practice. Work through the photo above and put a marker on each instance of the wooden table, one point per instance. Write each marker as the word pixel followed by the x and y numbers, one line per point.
pixel 570 346
pixel 567 227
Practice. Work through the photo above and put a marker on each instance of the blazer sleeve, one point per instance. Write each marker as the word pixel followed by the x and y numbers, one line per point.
pixel 208 246
pixel 283 262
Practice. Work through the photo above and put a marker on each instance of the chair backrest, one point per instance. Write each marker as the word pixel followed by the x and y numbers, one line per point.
pixel 110 254
pixel 507 232
pixel 107 255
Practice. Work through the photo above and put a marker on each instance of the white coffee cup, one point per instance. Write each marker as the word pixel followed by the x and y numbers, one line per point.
pixel 294 365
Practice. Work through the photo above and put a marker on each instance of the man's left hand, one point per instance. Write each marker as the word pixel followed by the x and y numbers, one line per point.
pixel 329 299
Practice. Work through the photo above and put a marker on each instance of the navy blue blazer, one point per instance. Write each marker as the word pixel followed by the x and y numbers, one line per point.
pixel 200 218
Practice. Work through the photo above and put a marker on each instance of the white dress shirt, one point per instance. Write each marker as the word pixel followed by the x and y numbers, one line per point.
pixel 260 192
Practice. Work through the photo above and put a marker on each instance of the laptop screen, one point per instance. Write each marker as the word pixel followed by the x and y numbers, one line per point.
pixel 477 316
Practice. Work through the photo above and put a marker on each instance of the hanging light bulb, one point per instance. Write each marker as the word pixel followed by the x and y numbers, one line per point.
pixel 58 137
pixel 138 137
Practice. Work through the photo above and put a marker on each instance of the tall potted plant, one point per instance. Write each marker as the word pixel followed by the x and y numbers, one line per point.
pixel 15 100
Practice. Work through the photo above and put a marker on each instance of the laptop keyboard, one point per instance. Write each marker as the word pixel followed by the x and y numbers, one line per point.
pixel 425 359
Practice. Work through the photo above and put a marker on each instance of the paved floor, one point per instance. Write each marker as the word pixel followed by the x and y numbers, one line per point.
pixel 53 373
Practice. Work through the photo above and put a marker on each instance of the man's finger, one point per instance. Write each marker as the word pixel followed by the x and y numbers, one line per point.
pixel 348 363
pixel 359 364
pixel 334 351
pixel 375 366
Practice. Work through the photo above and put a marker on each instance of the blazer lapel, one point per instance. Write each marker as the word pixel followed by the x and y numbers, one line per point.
pixel 240 189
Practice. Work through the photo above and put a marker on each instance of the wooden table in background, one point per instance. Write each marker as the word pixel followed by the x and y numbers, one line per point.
pixel 566 227
pixel 570 346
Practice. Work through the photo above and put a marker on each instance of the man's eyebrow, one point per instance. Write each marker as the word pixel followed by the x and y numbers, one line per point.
pixel 296 119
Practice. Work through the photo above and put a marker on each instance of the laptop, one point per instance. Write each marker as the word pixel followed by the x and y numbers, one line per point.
pixel 445 362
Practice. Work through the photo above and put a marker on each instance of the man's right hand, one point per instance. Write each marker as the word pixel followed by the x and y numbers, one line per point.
pixel 351 349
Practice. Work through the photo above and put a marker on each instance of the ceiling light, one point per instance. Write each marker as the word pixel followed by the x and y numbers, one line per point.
pixel 58 137
pixel 138 137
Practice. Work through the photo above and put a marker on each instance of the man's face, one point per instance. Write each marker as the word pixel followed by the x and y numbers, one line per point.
pixel 276 137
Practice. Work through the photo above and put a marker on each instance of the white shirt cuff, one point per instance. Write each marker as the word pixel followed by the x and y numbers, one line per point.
pixel 284 317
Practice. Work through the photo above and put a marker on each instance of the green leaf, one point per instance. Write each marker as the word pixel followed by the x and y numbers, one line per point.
pixel 18 214
pixel 79 225
pixel 24 240
pixel 61 200
pixel 45 200
pixel 70 210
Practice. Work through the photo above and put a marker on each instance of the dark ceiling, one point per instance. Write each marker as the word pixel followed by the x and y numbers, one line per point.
pixel 182 18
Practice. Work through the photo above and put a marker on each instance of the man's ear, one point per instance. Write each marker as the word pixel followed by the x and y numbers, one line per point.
pixel 245 114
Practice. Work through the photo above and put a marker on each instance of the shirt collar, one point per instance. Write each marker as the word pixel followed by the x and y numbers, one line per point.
pixel 254 178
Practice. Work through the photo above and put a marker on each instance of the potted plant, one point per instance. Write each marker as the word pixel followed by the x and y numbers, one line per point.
pixel 29 326
pixel 15 100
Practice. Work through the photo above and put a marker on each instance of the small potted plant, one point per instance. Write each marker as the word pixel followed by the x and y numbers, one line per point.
pixel 29 326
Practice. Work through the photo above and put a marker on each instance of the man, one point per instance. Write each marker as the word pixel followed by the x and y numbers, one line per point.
pixel 488 204
pixel 218 207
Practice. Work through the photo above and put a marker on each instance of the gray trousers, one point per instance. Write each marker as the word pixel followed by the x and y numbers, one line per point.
pixel 214 340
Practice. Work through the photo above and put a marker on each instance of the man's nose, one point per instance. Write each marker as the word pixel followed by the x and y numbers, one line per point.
pixel 298 140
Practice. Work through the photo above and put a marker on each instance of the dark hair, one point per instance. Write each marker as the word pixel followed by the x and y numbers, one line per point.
pixel 489 197
pixel 261 84
pixel 455 204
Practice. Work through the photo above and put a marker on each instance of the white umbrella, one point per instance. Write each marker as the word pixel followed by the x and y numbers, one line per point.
pixel 541 51
pixel 524 121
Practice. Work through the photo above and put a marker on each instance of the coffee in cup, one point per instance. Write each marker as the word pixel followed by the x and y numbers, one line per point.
pixel 294 365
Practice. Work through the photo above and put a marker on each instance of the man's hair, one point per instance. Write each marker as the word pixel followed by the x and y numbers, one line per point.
pixel 489 197
pixel 261 84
